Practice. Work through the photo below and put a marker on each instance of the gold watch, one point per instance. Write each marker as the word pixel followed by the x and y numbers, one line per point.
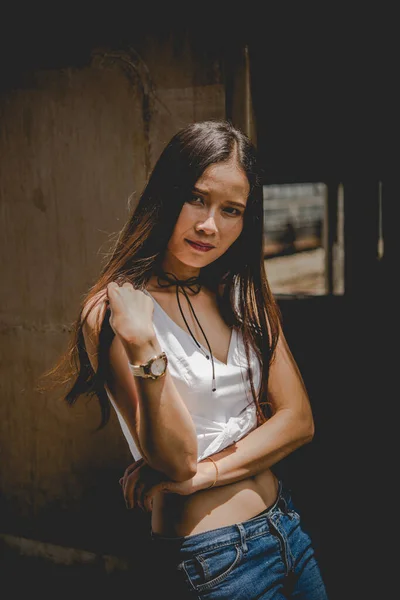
pixel 154 368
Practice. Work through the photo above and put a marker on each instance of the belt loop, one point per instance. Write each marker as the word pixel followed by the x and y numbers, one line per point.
pixel 242 536
pixel 279 498
pixel 284 505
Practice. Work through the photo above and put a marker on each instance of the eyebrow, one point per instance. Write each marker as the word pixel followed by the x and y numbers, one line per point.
pixel 232 202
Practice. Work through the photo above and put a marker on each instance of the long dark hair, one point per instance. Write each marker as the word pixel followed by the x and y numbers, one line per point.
pixel 245 300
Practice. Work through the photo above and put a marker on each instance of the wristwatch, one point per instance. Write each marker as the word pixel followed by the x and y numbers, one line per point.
pixel 154 368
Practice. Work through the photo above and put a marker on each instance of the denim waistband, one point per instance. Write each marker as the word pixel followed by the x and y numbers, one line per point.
pixel 229 534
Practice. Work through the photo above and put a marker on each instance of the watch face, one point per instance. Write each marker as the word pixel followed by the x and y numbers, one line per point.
pixel 158 366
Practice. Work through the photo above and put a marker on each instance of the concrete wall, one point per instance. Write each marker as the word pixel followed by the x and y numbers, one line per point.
pixel 76 147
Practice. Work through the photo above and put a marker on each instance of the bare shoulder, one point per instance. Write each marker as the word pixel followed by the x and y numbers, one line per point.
pixel 121 386
pixel 91 318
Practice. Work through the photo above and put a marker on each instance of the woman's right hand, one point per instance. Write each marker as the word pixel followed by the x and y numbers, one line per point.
pixel 140 483
pixel 131 313
pixel 138 478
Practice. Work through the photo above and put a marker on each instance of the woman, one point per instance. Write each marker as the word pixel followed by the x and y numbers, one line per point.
pixel 182 336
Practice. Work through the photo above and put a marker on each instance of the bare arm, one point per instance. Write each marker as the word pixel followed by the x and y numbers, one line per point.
pixel 166 431
pixel 153 410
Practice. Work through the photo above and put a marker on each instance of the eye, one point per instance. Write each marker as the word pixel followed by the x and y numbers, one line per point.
pixel 232 212
pixel 196 200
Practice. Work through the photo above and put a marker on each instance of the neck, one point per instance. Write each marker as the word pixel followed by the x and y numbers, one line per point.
pixel 181 271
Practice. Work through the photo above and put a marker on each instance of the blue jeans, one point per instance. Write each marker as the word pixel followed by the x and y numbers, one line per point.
pixel 266 557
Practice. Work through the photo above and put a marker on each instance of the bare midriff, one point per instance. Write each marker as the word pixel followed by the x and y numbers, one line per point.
pixel 175 516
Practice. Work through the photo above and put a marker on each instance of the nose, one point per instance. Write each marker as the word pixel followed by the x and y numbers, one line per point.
pixel 208 226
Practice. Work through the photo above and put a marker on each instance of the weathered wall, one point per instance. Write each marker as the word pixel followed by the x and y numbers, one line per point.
pixel 76 147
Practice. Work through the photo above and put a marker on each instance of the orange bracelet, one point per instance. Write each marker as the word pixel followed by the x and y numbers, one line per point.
pixel 216 473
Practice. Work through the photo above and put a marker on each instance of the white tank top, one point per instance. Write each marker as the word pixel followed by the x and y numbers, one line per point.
pixel 221 417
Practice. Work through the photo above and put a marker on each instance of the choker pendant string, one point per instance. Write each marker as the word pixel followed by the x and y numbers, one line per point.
pixel 194 286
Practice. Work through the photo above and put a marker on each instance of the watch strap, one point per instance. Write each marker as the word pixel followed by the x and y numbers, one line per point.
pixel 138 370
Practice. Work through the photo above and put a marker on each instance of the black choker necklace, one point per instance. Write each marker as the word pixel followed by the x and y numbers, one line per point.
pixel 165 279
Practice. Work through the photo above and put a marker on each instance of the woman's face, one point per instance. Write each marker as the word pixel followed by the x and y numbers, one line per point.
pixel 212 218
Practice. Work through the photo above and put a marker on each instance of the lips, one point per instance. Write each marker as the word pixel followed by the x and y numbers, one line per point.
pixel 200 246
